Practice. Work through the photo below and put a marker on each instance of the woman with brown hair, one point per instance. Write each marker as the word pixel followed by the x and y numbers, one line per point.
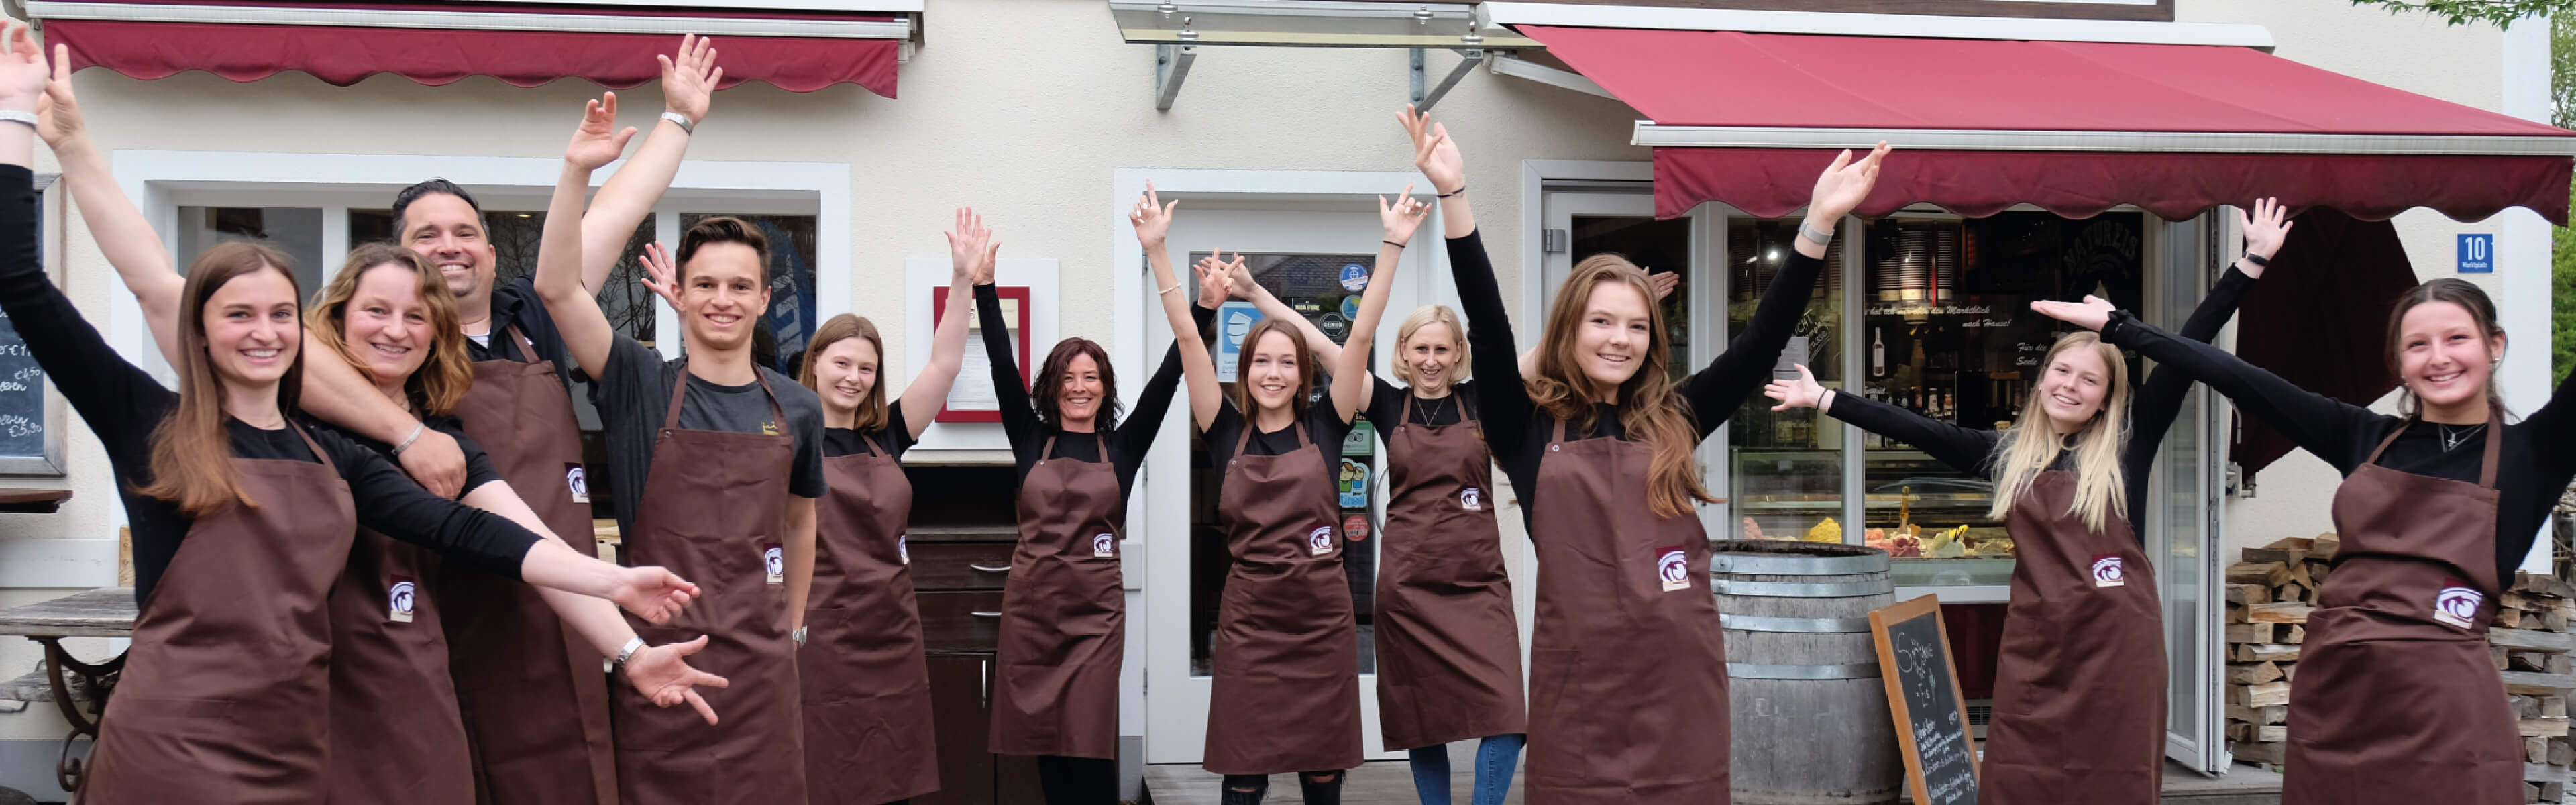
pixel 2083 644
pixel 1627 664
pixel 1286 694
pixel 1064 607
pixel 226 490
pixel 2398 703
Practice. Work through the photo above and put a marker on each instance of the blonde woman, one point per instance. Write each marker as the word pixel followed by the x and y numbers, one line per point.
pixel 2083 646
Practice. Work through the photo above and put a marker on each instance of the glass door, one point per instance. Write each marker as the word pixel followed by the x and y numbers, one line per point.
pixel 2189 486
pixel 1580 224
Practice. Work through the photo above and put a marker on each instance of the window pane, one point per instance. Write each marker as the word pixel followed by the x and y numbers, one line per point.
pixel 515 236
pixel 297 231
pixel 1788 471
pixel 790 322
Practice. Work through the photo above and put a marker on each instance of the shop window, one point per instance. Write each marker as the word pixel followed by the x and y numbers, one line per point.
pixel 297 231
pixel 1787 466
pixel 515 235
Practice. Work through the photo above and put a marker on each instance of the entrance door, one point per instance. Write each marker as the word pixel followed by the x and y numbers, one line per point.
pixel 2190 489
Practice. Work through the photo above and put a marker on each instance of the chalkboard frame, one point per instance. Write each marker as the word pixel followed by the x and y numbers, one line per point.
pixel 1879 622
pixel 50 464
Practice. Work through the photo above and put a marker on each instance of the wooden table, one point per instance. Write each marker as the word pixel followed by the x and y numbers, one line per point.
pixel 104 612
pixel 32 501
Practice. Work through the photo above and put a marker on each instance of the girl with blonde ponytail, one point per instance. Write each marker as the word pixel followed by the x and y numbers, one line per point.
pixel 1628 696
pixel 2083 647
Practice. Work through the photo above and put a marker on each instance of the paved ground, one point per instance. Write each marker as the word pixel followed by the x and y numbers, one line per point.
pixel 1391 783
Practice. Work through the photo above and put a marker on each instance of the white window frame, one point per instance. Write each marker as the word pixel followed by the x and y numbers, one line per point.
pixel 160 182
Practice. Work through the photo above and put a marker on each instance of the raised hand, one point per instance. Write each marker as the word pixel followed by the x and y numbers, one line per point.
pixel 1664 283
pixel 1238 278
pixel 598 141
pixel 1843 185
pixel 1152 218
pixel 1433 152
pixel 658 271
pixel 662 674
pixel 651 592
pixel 689 79
pixel 2089 314
pixel 58 116
pixel 1803 392
pixel 971 248
pixel 1403 216
pixel 2264 230
pixel 1214 286
pixel 22 70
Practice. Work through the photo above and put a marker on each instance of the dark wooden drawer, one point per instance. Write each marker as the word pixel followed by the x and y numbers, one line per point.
pixel 959 565
pixel 950 622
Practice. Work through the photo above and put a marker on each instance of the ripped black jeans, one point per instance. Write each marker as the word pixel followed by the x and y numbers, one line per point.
pixel 1320 787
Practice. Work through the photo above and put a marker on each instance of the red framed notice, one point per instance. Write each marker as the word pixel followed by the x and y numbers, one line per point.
pixel 972 398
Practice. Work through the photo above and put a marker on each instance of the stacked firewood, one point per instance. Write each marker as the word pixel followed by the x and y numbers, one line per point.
pixel 2270 593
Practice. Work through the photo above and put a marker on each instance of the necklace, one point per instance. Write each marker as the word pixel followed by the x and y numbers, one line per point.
pixel 2452 439
pixel 1431 415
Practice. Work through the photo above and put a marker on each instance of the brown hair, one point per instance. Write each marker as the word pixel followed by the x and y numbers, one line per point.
pixel 2469 297
pixel 1242 393
pixel 191 453
pixel 872 411
pixel 720 229
pixel 1048 385
pixel 1651 411
pixel 441 381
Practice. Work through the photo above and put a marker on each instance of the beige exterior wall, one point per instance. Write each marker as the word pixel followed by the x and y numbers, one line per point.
pixel 1025 108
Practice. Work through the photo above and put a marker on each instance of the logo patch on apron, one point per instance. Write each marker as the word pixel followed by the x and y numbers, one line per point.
pixel 1471 499
pixel 903 548
pixel 578 480
pixel 775 559
pixel 1320 540
pixel 1104 545
pixel 1673 567
pixel 398 600
pixel 2457 605
pixel 2108 571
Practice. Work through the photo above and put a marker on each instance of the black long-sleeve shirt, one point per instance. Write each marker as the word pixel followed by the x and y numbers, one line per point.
pixel 2152 409
pixel 123 405
pixel 1518 432
pixel 1386 406
pixel 2535 465
pixel 1128 442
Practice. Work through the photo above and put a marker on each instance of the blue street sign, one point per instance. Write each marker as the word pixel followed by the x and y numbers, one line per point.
pixel 2477 254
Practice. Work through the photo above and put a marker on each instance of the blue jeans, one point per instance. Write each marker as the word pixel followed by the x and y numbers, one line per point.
pixel 1496 758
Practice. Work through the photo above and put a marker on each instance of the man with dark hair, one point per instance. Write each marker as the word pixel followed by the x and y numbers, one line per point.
pixel 533 698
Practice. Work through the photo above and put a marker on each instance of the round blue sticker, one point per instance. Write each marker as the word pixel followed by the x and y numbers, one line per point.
pixel 1351 308
pixel 1354 277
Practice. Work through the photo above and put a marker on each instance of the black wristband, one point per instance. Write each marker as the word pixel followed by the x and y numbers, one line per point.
pixel 2259 261
pixel 1461 189
pixel 1392 243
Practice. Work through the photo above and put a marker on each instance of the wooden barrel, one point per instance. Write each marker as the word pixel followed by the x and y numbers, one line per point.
pixel 1809 710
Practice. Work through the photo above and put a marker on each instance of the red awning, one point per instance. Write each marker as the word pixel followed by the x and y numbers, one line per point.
pixel 520 45
pixel 2073 127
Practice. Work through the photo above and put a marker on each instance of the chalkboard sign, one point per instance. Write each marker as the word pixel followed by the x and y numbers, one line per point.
pixel 1923 697
pixel 30 441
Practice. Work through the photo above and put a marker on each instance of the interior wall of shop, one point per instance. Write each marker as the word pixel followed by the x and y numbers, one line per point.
pixel 1025 108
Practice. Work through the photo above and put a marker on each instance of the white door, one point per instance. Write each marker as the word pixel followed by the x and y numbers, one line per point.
pixel 2189 492
pixel 1184 557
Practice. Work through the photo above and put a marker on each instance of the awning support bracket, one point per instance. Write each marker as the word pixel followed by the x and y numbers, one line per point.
pixel 1424 99
pixel 1171 67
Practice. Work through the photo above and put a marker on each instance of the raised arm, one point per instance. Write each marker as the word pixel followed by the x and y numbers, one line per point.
pixel 2321 425
pixel 1019 415
pixel 586 331
pixel 1734 374
pixel 688 86
pixel 1239 283
pixel 1352 383
pixel 1502 400
pixel 1964 449
pixel 2160 398
pixel 1152 218
pixel 971 250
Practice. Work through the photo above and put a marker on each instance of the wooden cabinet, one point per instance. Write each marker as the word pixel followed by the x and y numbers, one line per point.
pixel 964 527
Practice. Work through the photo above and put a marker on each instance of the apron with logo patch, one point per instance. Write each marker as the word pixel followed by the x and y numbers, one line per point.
pixel 1064 613
pixel 1286 696
pixel 394 721
pixel 1448 644
pixel 866 680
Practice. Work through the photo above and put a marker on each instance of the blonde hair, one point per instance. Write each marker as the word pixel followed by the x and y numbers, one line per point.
pixel 1428 315
pixel 1651 411
pixel 443 378
pixel 2101 490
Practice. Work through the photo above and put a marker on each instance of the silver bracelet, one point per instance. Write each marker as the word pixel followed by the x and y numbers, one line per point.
pixel 633 644
pixel 407 441
pixel 15 116
pixel 1820 238
pixel 686 127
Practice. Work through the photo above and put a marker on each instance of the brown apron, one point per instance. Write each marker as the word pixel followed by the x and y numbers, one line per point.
pixel 1448 645
pixel 715 512
pixel 224 699
pixel 394 722
pixel 1286 696
pixel 2397 699
pixel 1064 613
pixel 865 675
pixel 2080 690
pixel 1627 665
pixel 534 698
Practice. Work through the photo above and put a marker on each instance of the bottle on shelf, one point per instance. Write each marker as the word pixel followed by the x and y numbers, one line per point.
pixel 1877 353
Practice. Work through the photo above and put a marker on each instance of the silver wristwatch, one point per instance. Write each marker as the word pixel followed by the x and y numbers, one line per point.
pixel 1820 238
pixel 799 634
pixel 686 127
pixel 633 644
